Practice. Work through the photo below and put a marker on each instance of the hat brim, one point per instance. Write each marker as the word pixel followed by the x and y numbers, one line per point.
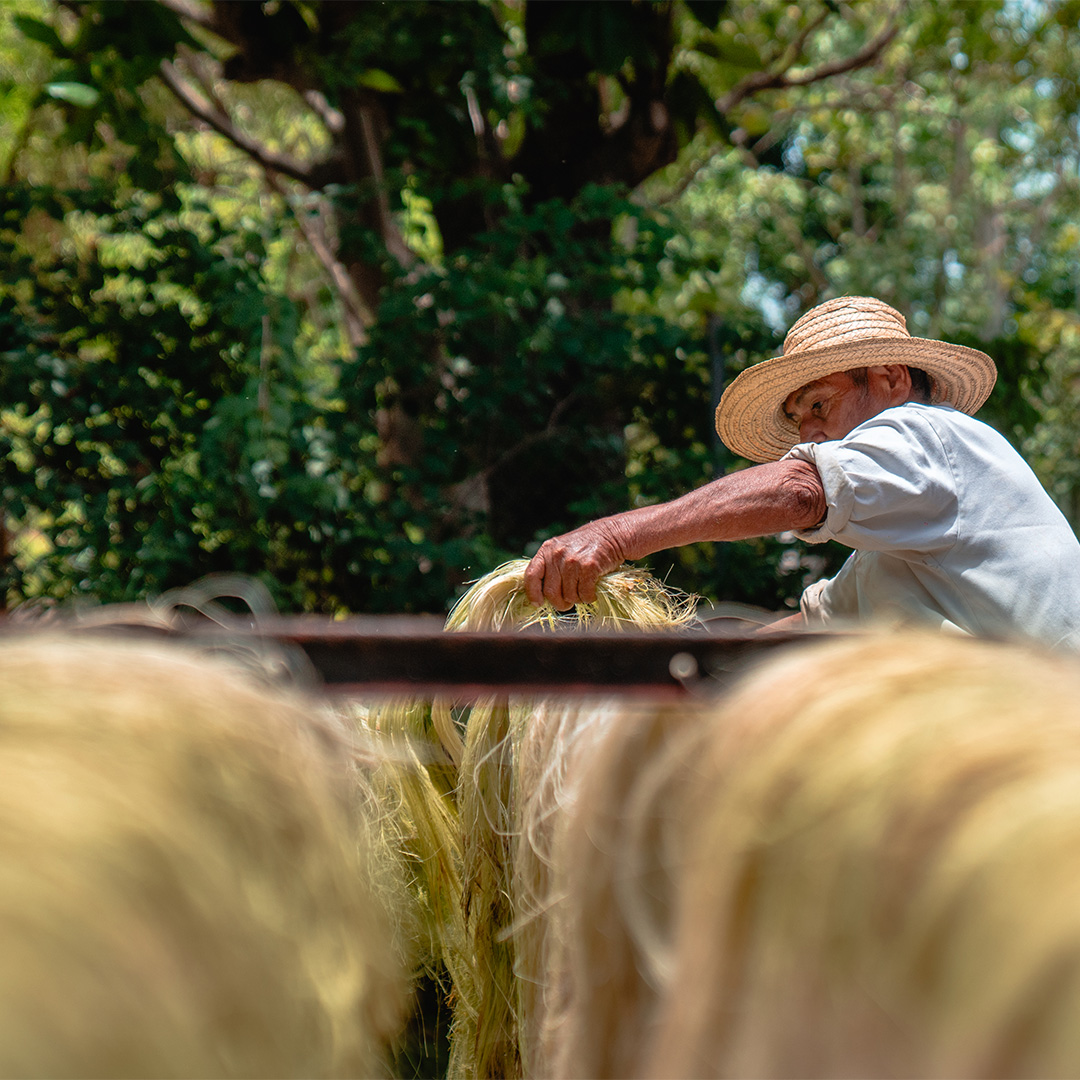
pixel 750 418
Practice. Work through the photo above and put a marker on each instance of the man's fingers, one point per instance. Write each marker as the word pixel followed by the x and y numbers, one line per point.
pixel 534 579
pixel 565 595
pixel 586 588
pixel 553 585
pixel 544 580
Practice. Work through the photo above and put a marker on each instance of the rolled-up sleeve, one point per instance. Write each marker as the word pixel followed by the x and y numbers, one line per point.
pixel 889 486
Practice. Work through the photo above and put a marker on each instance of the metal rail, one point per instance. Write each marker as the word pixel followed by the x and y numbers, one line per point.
pixel 376 655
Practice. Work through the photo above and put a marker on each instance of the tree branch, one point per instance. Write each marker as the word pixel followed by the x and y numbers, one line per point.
pixel 372 154
pixel 358 316
pixel 224 126
pixel 779 79
pixel 793 51
pixel 774 80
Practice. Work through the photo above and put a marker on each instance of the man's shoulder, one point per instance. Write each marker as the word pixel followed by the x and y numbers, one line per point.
pixel 921 434
pixel 965 446
pixel 917 417
pixel 911 421
pixel 918 412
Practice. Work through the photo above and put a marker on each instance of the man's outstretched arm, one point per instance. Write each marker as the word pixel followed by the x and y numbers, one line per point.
pixel 758 501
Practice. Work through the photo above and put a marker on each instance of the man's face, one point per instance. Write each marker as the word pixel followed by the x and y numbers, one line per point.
pixel 830 408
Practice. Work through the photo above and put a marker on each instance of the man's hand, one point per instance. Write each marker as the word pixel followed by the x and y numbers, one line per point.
pixel 566 568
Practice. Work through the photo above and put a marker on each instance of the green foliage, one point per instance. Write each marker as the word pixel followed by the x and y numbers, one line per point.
pixel 173 436
pixel 155 435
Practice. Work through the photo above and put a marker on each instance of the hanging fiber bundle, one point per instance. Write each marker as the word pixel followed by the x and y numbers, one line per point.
pixel 480 871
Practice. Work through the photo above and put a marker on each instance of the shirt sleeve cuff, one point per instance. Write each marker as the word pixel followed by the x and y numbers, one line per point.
pixel 839 492
pixel 810 604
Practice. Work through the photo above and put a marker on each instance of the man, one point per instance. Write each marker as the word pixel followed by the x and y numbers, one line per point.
pixel 867 439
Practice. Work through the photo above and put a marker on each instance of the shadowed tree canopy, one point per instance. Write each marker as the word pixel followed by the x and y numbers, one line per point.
pixel 558 94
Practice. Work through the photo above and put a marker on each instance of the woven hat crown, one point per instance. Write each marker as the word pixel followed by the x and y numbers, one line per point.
pixel 846 319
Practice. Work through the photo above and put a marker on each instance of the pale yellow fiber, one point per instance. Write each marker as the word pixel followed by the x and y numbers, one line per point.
pixel 465 778
pixel 192 875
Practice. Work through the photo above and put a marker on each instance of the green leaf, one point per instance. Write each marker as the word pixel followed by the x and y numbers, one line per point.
pixel 86 97
pixel 733 54
pixel 755 119
pixel 36 30
pixel 706 12
pixel 382 81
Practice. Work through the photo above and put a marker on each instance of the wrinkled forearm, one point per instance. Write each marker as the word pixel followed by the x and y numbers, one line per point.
pixel 759 501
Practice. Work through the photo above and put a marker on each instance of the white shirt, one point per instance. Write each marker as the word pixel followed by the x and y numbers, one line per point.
pixel 949 526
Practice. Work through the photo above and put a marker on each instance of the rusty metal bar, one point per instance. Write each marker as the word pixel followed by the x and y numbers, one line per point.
pixel 398 654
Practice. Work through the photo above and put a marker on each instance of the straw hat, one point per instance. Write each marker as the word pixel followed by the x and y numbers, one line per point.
pixel 849 332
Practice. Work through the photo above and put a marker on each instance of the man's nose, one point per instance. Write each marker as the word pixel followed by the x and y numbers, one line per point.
pixel 810 430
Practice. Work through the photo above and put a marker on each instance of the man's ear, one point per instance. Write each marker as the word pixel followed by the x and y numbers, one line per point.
pixel 893 379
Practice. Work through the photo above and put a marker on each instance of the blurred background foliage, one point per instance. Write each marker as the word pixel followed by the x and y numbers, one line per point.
pixel 363 297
